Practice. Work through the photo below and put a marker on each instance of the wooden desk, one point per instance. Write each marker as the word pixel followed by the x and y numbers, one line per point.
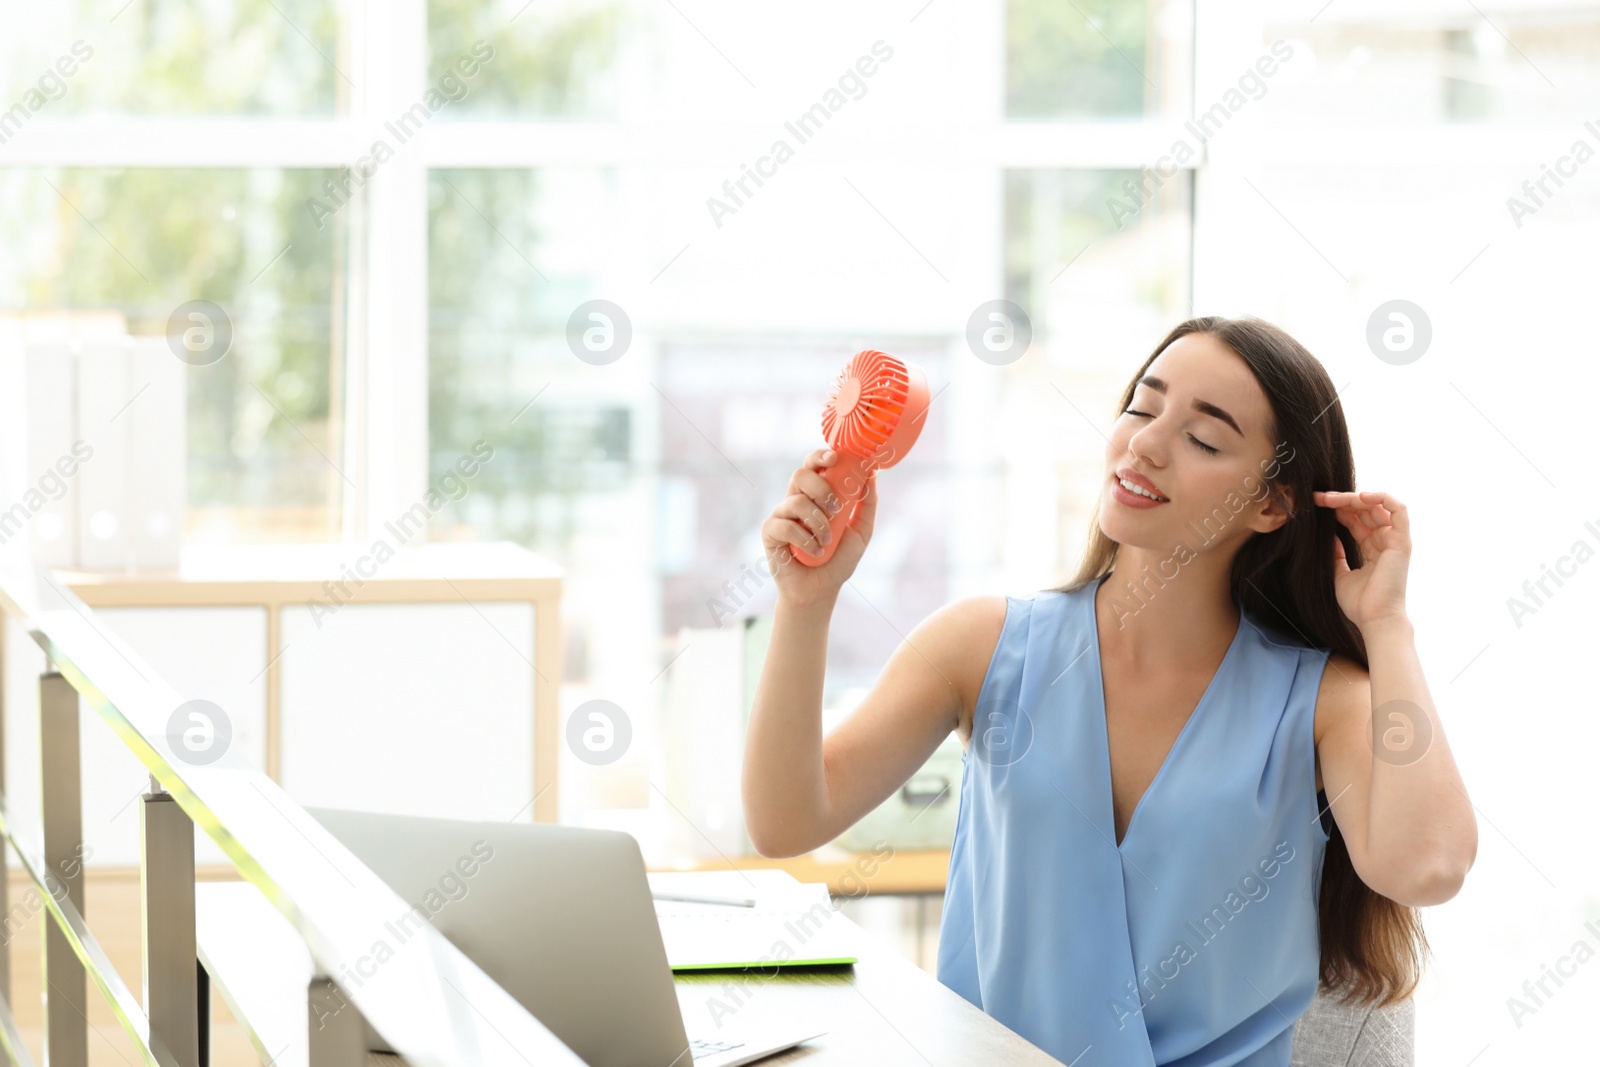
pixel 881 1010
pixel 912 872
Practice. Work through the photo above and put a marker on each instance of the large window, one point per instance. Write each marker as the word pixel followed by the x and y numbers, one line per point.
pixel 408 218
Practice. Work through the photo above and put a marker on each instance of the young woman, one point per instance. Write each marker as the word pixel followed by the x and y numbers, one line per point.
pixel 1202 778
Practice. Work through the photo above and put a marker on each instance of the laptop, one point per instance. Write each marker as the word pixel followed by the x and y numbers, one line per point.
pixel 562 918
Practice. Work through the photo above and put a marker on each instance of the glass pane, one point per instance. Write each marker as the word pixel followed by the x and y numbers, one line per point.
pixel 177 57
pixel 1101 265
pixel 628 60
pixel 1372 66
pixel 544 60
pixel 1098 59
pixel 1097 256
pixel 263 437
pixel 497 338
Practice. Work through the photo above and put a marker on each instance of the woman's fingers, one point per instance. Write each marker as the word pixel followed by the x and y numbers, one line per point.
pixel 868 511
pixel 780 532
pixel 802 518
pixel 1373 510
pixel 818 458
pixel 810 515
pixel 796 534
pixel 815 487
pixel 805 515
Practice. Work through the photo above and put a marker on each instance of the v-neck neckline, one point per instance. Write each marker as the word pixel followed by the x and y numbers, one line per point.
pixel 1105 726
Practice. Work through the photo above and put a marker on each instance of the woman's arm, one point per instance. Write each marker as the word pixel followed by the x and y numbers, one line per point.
pixel 802 790
pixel 1390 779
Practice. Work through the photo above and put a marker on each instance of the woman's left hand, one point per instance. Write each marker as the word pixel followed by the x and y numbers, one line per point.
pixel 1382 529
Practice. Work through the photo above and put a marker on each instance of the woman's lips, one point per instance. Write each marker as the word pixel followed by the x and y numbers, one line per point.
pixel 1131 499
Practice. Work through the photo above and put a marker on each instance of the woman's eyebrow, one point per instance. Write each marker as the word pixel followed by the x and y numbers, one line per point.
pixel 1205 407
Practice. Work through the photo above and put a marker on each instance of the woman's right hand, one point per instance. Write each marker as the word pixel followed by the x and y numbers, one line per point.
pixel 801 521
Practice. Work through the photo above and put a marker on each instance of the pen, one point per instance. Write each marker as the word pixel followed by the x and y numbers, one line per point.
pixel 695 898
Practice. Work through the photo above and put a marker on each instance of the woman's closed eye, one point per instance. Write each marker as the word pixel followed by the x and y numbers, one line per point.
pixel 1192 437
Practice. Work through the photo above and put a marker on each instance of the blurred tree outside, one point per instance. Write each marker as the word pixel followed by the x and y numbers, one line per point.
pixel 176 58
pixel 498 307
pixel 1085 59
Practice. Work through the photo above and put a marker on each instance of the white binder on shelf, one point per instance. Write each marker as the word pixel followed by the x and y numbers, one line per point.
pixel 49 424
pixel 101 474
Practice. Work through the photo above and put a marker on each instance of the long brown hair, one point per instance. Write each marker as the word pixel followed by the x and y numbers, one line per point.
pixel 1371 946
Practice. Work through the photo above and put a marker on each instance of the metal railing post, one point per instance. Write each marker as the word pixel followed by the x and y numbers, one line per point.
pixel 65 985
pixel 334 1026
pixel 5 853
pixel 166 891
pixel 202 1009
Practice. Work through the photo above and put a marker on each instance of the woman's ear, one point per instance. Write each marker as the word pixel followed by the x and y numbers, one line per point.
pixel 1277 510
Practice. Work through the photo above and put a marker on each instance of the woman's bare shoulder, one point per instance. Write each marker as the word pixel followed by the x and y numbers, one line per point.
pixel 967 632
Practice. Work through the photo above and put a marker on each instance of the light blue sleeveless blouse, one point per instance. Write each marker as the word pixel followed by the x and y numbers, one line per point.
pixel 1194 942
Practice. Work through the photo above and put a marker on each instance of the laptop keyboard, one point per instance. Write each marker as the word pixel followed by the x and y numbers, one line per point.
pixel 699 1047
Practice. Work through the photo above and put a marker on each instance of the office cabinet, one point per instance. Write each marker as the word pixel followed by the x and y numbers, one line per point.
pixel 420 709
pixel 428 687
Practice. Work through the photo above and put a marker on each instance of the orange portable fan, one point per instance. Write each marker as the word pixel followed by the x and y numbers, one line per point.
pixel 872 418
